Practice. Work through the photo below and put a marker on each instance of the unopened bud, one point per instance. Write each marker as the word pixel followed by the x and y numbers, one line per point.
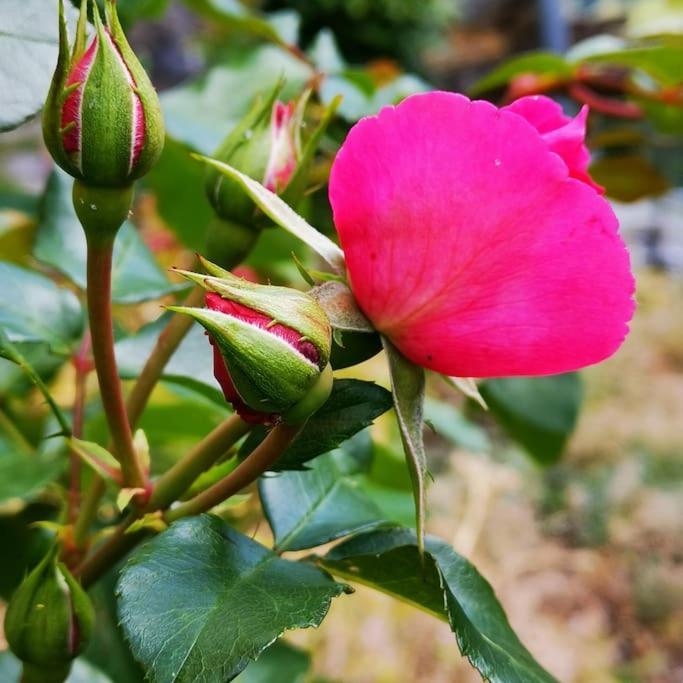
pixel 102 121
pixel 271 347
pixel 49 620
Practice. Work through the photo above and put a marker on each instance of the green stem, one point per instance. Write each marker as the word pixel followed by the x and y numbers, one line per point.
pixel 258 462
pixel 88 511
pixel 175 481
pixel 102 333
pixel 166 345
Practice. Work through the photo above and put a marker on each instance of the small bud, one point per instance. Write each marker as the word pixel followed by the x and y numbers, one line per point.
pixel 271 346
pixel 102 121
pixel 265 146
pixel 49 619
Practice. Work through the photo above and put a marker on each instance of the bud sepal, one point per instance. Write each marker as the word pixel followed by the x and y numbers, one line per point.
pixel 49 620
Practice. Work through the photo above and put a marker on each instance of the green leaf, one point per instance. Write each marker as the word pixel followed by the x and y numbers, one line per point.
pixel 81 672
pixel 449 422
pixel 28 55
pixel 628 177
pixel 361 97
pixel 445 585
pixel 661 62
pixel 60 243
pixel 408 390
pixel 283 215
pixel 352 406
pixel 34 310
pixel 538 412
pixel 97 457
pixel 235 15
pixel 23 472
pixel 178 184
pixel 200 601
pixel 201 113
pixel 306 509
pixel 281 662
pixel 191 365
pixel 546 63
pixel 10 352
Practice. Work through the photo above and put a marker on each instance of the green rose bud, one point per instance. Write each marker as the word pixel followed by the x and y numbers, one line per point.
pixel 271 346
pixel 49 621
pixel 102 121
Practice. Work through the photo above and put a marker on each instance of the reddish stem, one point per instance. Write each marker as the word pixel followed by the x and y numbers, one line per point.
pixel 83 365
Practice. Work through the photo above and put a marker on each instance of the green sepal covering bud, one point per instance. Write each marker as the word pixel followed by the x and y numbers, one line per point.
pixel 50 619
pixel 289 307
pixel 271 346
pixel 102 120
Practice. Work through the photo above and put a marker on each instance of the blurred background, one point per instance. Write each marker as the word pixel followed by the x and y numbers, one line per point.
pixel 568 493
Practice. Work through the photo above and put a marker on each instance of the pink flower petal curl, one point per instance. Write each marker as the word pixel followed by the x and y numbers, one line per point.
pixel 563 135
pixel 469 245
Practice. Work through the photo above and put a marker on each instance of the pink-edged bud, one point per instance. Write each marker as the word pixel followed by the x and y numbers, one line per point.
pixel 102 121
pixel 283 147
pixel 265 146
pixel 271 347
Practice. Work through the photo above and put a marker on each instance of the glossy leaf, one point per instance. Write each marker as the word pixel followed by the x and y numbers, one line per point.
pixel 538 412
pixel 447 586
pixel 60 243
pixel 283 215
pixel 352 406
pixel 37 311
pixel 306 509
pixel 407 388
pixel 201 601
pixel 546 63
pixel 28 55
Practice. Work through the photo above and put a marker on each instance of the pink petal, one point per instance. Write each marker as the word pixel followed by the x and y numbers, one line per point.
pixel 563 135
pixel 469 246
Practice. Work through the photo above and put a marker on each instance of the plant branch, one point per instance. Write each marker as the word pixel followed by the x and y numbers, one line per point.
pixel 175 481
pixel 166 345
pixel 102 331
pixel 83 366
pixel 265 454
pixel 171 485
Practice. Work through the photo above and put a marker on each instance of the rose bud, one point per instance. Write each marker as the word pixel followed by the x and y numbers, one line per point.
pixel 49 621
pixel 475 240
pixel 271 346
pixel 102 121
pixel 266 146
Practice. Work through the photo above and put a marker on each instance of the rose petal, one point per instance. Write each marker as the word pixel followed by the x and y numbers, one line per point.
pixel 471 248
pixel 563 135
